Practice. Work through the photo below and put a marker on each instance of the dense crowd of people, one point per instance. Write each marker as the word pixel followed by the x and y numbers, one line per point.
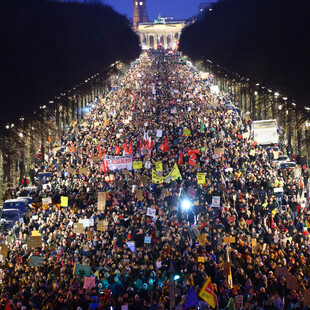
pixel 250 239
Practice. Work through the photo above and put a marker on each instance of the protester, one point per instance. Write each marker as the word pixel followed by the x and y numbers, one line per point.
pixel 160 111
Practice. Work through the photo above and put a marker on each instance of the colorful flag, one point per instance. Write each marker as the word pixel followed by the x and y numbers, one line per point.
pixel 202 127
pixel 192 159
pixel 117 150
pixel 207 293
pixel 191 299
pixel 103 167
pixel 307 224
pixel 166 148
pixel 180 161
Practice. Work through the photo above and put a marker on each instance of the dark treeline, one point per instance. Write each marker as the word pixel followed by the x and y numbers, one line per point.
pixel 267 41
pixel 47 47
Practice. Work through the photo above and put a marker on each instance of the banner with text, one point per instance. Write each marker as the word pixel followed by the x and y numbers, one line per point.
pixel 118 162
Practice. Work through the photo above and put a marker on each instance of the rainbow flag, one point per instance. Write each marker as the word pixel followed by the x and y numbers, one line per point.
pixel 307 223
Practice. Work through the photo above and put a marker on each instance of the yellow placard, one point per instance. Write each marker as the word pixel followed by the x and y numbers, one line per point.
pixel 137 165
pixel 159 166
pixel 276 154
pixel 64 201
pixel 156 178
pixel 201 178
pixel 35 233
pixel 201 259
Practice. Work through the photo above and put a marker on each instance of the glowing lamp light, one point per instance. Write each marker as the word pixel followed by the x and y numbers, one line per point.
pixel 186 204
pixel 176 277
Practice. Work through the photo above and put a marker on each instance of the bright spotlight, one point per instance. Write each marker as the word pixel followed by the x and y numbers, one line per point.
pixel 176 277
pixel 186 204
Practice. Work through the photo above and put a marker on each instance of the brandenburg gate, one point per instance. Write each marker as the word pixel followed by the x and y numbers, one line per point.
pixel 160 33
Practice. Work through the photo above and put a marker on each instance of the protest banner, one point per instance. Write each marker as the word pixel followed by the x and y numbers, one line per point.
pixel 201 178
pixel 147 240
pixel 156 178
pixel 159 166
pixel 216 201
pixel 81 270
pixel 87 222
pixel 151 212
pixel 46 201
pixel 131 246
pixel 36 261
pixel 137 165
pixel 229 239
pixel 89 282
pixel 118 162
pixel 159 133
pixel 175 172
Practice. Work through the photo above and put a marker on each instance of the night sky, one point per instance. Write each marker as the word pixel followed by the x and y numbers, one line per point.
pixel 178 9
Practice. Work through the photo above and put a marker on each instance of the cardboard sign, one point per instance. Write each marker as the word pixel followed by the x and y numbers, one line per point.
pixel 70 170
pixel 229 240
pixel 36 261
pixel 81 270
pixel 64 201
pixel 281 272
pixel 89 282
pixel 19 260
pixel 252 152
pixel 239 302
pixel 222 187
pixel 201 178
pixel 102 197
pixel 219 151
pixel 306 298
pixel 34 242
pixel 275 154
pixel 197 166
pixel 102 225
pixel 139 194
pixel 151 212
pixel 78 228
pixel 95 159
pixel 83 171
pixel 147 240
pixel 292 282
pixel 216 201
pixel 4 250
pixel 137 165
pixel 202 239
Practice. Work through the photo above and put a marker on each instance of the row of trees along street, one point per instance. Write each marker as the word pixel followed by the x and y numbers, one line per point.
pixel 57 57
pixel 259 51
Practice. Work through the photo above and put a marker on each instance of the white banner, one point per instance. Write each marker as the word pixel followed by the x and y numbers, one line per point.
pixel 118 162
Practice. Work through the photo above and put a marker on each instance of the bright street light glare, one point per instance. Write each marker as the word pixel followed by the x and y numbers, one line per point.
pixel 186 204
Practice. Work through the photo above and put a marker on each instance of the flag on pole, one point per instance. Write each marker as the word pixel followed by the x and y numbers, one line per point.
pixel 117 150
pixel 202 127
pixel 207 293
pixel 180 161
pixel 166 148
pixel 104 167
